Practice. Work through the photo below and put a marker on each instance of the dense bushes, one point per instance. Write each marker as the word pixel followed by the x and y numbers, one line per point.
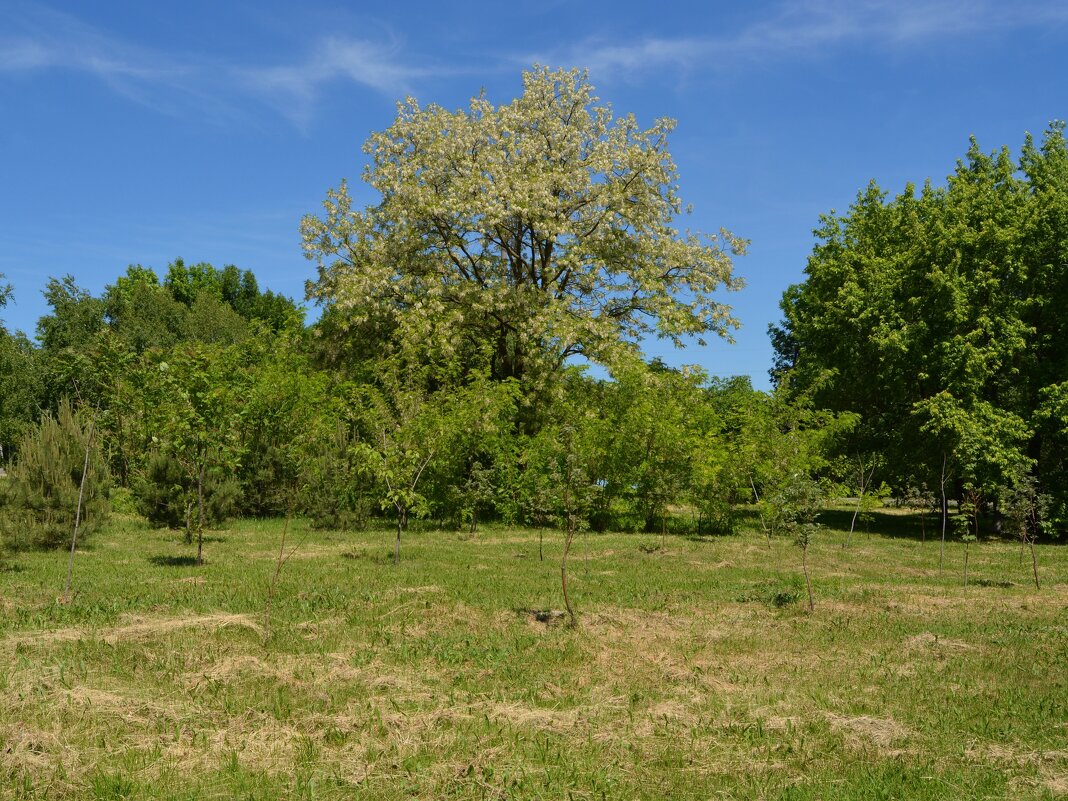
pixel 39 498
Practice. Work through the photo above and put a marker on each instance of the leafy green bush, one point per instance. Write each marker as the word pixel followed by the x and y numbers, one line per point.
pixel 39 497
pixel 122 501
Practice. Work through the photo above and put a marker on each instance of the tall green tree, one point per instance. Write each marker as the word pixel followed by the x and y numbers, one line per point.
pixel 651 418
pixel 934 316
pixel 20 379
pixel 60 475
pixel 76 315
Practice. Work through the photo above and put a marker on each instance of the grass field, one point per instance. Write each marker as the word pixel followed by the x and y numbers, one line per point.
pixel 696 671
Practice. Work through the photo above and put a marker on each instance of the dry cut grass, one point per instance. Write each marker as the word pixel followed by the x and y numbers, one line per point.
pixel 696 672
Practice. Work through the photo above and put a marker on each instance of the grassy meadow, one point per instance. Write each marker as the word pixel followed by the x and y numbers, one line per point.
pixel 696 671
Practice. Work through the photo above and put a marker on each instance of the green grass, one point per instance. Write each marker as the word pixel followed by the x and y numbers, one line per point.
pixel 696 670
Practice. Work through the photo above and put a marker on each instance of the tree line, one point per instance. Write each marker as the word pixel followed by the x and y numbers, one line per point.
pixel 234 409
pixel 920 358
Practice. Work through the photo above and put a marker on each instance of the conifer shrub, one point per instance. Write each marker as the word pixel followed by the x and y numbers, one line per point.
pixel 335 489
pixel 167 495
pixel 39 496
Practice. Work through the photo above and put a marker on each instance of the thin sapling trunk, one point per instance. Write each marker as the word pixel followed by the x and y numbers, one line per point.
pixel 402 517
pixel 763 523
pixel 1034 562
pixel 808 581
pixel 860 502
pixel 945 517
pixel 281 560
pixel 404 500
pixel 563 570
pixel 200 515
pixel 78 510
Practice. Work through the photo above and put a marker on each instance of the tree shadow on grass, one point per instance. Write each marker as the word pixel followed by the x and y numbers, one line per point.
pixel 894 524
pixel 903 524
pixel 173 561
pixel 373 556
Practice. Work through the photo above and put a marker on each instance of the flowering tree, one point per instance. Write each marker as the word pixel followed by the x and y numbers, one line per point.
pixel 519 235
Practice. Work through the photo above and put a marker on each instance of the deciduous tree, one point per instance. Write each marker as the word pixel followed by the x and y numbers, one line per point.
pixel 518 235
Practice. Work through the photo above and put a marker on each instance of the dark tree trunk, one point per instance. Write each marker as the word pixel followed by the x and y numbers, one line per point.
pixel 563 571
pixel 200 515
pixel 402 523
pixel 808 581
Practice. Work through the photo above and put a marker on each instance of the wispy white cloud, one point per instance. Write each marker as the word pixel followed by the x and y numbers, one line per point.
pixel 34 38
pixel 806 27
pixel 295 89
pixel 39 39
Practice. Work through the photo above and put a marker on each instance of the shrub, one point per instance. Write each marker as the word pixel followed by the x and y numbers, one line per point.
pixel 336 491
pixel 166 494
pixel 39 497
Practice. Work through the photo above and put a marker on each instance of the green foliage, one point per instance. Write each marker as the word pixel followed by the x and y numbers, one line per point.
pixel 560 485
pixel 789 444
pixel 76 315
pixel 212 321
pixel 792 508
pixel 39 497
pixel 198 303
pixel 122 501
pixel 417 439
pixel 235 289
pixel 652 419
pixel 1026 509
pixel 939 316
pixel 988 443
pixel 335 492
pixel 166 494
pixel 143 312
pixel 508 238
pixel 20 380
pixel 194 417
pixel 287 420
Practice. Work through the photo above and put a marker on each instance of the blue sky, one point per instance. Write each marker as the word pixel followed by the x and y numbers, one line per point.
pixel 135 132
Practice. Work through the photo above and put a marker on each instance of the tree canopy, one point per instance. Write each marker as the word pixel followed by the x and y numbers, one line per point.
pixel 939 316
pixel 512 237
